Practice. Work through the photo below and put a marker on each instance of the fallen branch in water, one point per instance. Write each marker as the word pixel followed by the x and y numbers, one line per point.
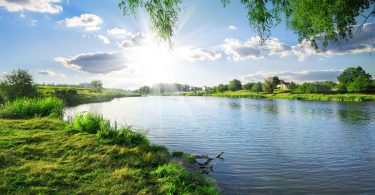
pixel 206 167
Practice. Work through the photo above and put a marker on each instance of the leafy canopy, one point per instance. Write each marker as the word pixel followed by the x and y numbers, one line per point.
pixel 234 85
pixel 355 79
pixel 19 83
pixel 313 20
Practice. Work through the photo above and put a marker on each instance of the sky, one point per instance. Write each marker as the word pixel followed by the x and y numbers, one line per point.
pixel 76 41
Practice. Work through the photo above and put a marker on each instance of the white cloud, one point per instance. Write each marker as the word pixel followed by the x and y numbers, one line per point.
pixel 198 54
pixel 50 73
pixel 239 50
pixel 232 27
pixel 119 32
pixel 104 39
pixel 299 77
pixel 42 6
pixel 96 63
pixel 90 22
pixel 135 40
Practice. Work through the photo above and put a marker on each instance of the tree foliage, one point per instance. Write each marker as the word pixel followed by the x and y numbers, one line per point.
pixel 144 90
pixel 275 81
pixel 234 85
pixel 248 86
pixel 17 84
pixel 97 85
pixel 355 79
pixel 268 85
pixel 257 87
pixel 220 88
pixel 312 20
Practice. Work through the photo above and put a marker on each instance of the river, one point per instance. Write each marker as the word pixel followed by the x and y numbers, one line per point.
pixel 270 146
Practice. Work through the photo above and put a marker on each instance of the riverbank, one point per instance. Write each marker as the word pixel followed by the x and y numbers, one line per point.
pixel 46 155
pixel 42 154
pixel 73 96
pixel 285 95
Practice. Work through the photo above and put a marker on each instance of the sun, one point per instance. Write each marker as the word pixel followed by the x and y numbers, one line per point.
pixel 155 62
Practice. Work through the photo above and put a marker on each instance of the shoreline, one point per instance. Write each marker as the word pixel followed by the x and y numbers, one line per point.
pixel 287 96
pixel 50 155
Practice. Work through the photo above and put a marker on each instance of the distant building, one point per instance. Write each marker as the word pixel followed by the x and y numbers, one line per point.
pixel 283 85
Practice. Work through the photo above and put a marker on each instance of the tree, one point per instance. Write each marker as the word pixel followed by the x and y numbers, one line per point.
pixel 220 88
pixel 257 87
pixel 234 85
pixel 275 81
pixel 293 86
pixel 268 85
pixel 316 21
pixel 360 84
pixel 17 84
pixel 144 90
pixel 97 85
pixel 357 75
pixel 248 86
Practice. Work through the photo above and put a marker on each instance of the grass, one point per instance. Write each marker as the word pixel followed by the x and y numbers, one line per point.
pixel 287 95
pixel 75 95
pixel 28 108
pixel 49 156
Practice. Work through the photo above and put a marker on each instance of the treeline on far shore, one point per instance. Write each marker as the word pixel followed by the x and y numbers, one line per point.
pixel 352 80
pixel 20 84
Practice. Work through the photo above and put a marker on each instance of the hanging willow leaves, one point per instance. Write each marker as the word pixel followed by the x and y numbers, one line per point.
pixel 321 22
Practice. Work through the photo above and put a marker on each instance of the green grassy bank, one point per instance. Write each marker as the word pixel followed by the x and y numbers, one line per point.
pixel 74 95
pixel 45 155
pixel 286 95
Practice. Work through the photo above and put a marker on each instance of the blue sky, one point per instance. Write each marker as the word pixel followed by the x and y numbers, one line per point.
pixel 78 41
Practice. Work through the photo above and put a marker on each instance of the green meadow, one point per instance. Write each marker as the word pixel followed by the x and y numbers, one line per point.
pixel 45 155
pixel 77 95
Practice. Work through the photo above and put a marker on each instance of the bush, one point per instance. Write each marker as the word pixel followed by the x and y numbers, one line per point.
pixel 95 124
pixel 32 107
pixel 175 179
pixel 88 122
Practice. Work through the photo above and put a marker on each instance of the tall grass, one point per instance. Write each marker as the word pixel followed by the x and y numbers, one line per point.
pixel 95 124
pixel 32 107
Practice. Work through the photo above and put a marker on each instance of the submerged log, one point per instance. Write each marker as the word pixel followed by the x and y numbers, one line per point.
pixel 206 166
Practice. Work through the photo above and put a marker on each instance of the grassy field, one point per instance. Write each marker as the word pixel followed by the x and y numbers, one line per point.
pixel 49 156
pixel 75 95
pixel 287 95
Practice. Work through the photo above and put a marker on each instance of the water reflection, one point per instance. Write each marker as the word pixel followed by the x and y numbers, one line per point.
pixel 271 146
pixel 355 117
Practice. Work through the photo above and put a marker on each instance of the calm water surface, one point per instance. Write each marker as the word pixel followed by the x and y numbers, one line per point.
pixel 271 146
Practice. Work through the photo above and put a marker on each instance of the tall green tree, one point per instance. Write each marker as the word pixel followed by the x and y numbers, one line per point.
pixel 293 86
pixel 313 20
pixel 248 86
pixel 220 88
pixel 19 83
pixel 275 81
pixel 234 85
pixel 268 85
pixel 144 90
pixel 352 78
pixel 257 87
pixel 97 85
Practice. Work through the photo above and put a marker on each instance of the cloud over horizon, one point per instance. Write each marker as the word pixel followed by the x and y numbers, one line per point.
pixel 241 50
pixel 90 22
pixel 295 76
pixel 50 73
pixel 41 6
pixel 198 54
pixel 96 63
